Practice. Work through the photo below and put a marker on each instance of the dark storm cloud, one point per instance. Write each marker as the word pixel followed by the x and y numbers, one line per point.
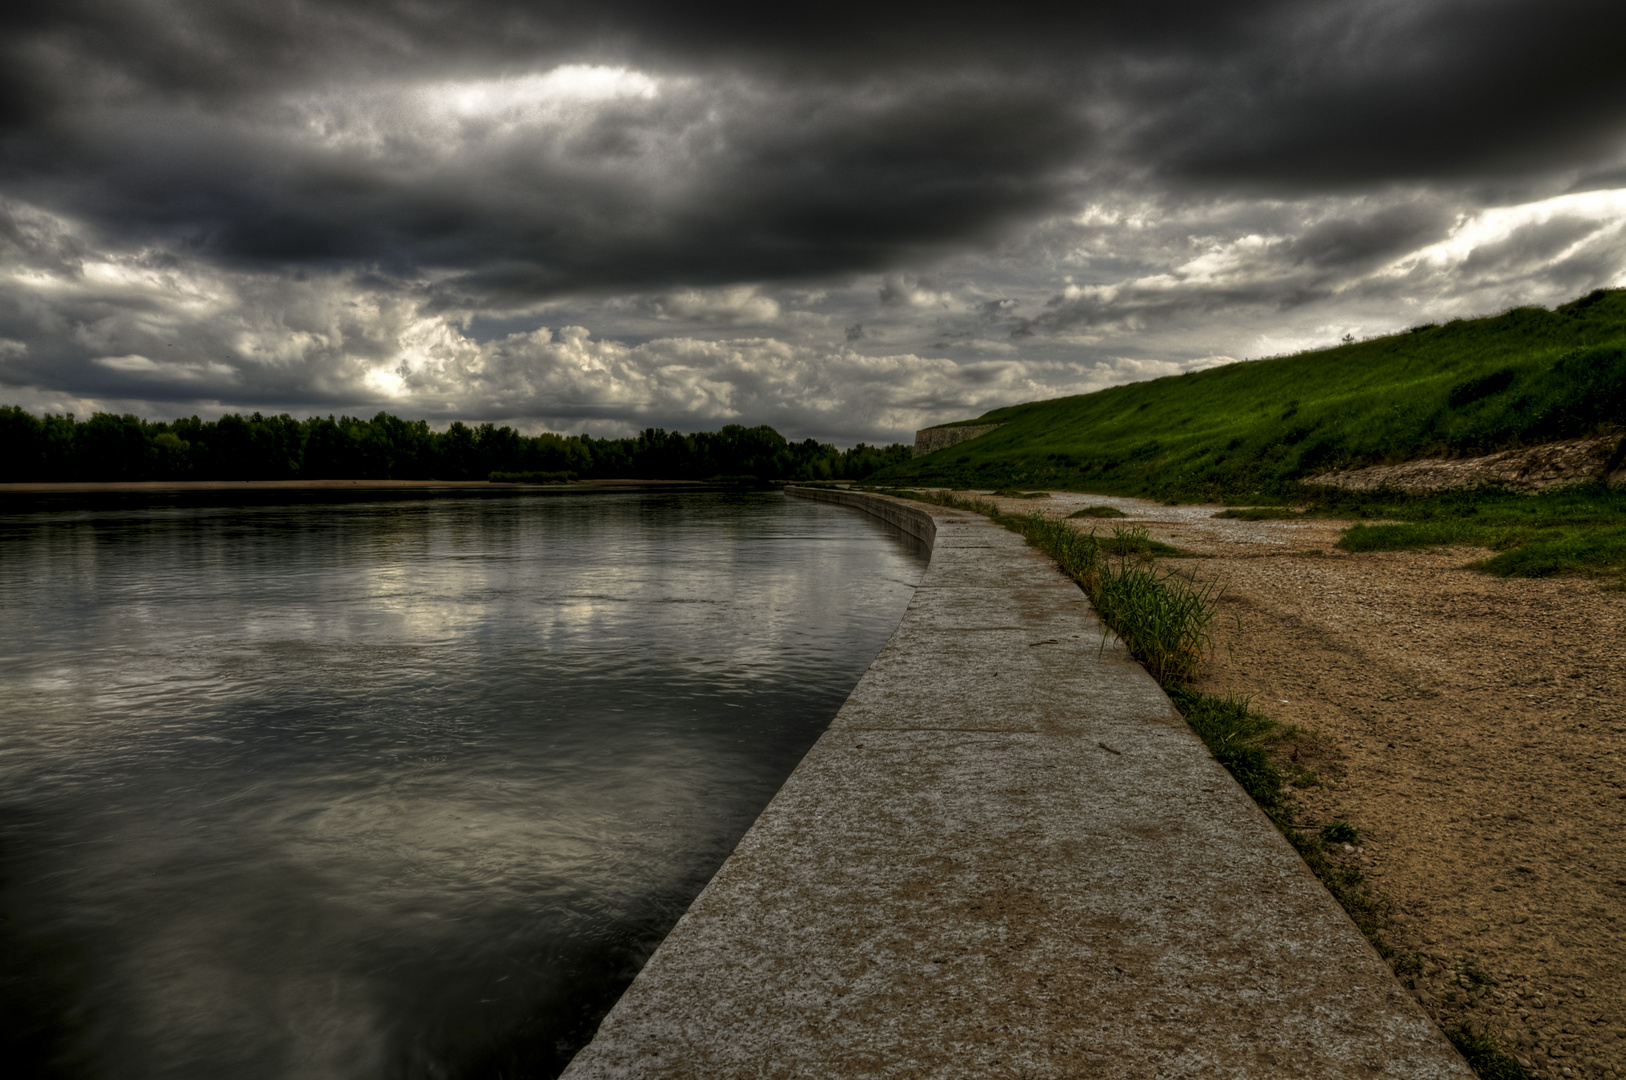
pixel 1359 241
pixel 698 184
pixel 808 141
pixel 844 219
pixel 1347 94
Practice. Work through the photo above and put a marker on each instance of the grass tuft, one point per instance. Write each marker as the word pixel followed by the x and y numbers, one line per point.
pixel 1097 512
pixel 1239 738
pixel 1135 540
pixel 1414 536
pixel 1340 831
pixel 1260 513
pixel 1484 1056
pixel 1162 620
pixel 1556 552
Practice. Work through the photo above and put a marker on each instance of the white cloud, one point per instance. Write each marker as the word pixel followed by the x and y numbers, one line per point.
pixel 127 363
pixel 912 292
pixel 1603 212
pixel 1150 289
pixel 738 305
pixel 438 121
pixel 541 92
pixel 167 371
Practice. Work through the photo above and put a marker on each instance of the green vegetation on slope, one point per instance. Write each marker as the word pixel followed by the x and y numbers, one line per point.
pixel 1471 386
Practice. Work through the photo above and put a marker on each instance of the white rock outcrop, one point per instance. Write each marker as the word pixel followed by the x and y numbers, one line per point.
pixel 1531 468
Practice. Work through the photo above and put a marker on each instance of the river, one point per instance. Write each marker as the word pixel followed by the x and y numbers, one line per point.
pixel 401 787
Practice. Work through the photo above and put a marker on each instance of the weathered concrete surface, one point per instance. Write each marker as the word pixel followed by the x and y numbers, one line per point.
pixel 940 438
pixel 1008 857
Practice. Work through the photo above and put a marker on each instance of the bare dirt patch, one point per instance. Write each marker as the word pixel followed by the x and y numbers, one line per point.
pixel 1472 729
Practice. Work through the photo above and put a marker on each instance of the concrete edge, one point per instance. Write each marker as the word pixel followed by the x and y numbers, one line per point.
pixel 920 522
pixel 905 515
pixel 800 957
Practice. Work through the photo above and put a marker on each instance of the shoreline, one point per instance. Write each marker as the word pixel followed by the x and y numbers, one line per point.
pixel 167 486
pixel 1009 855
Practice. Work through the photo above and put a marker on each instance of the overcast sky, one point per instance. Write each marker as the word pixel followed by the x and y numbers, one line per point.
pixel 848 222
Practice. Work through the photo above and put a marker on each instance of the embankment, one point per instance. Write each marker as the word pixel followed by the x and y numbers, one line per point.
pixel 1008 856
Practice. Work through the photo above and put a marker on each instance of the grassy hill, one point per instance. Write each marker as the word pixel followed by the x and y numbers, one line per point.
pixel 1252 430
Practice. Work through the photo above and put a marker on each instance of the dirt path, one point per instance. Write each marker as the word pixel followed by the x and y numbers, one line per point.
pixel 1473 732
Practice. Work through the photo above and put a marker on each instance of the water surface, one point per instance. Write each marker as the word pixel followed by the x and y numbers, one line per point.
pixel 401 788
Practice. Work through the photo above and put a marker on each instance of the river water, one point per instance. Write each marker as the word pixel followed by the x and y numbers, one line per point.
pixel 396 788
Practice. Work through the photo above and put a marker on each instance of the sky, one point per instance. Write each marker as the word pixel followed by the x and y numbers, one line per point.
pixel 847 221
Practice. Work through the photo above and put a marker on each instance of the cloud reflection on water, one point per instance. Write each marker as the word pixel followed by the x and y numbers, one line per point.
pixel 386 789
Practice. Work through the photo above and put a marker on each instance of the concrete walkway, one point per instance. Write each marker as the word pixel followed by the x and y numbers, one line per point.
pixel 1009 857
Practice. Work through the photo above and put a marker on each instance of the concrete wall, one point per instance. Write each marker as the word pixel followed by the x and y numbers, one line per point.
pixel 1009 857
pixel 911 518
pixel 937 438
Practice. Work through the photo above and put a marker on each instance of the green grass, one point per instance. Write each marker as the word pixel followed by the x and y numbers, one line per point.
pixel 1135 540
pixel 1162 620
pixel 1578 504
pixel 1261 513
pixel 1239 738
pixel 1416 536
pixel 1561 551
pixel 1098 512
pixel 1575 530
pixel 1471 386
pixel 1249 744
pixel 1484 1056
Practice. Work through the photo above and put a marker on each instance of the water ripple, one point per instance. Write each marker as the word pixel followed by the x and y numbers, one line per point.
pixel 402 788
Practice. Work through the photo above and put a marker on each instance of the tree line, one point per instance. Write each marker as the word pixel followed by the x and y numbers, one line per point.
pixel 108 446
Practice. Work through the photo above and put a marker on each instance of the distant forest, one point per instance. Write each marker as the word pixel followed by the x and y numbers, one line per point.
pixel 112 447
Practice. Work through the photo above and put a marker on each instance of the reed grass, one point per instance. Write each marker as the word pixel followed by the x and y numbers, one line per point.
pixel 1162 620
pixel 1135 540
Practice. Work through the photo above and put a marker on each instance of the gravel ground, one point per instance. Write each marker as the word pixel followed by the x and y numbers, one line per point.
pixel 1472 729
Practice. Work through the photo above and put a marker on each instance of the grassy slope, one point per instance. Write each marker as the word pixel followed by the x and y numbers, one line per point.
pixel 1253 429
